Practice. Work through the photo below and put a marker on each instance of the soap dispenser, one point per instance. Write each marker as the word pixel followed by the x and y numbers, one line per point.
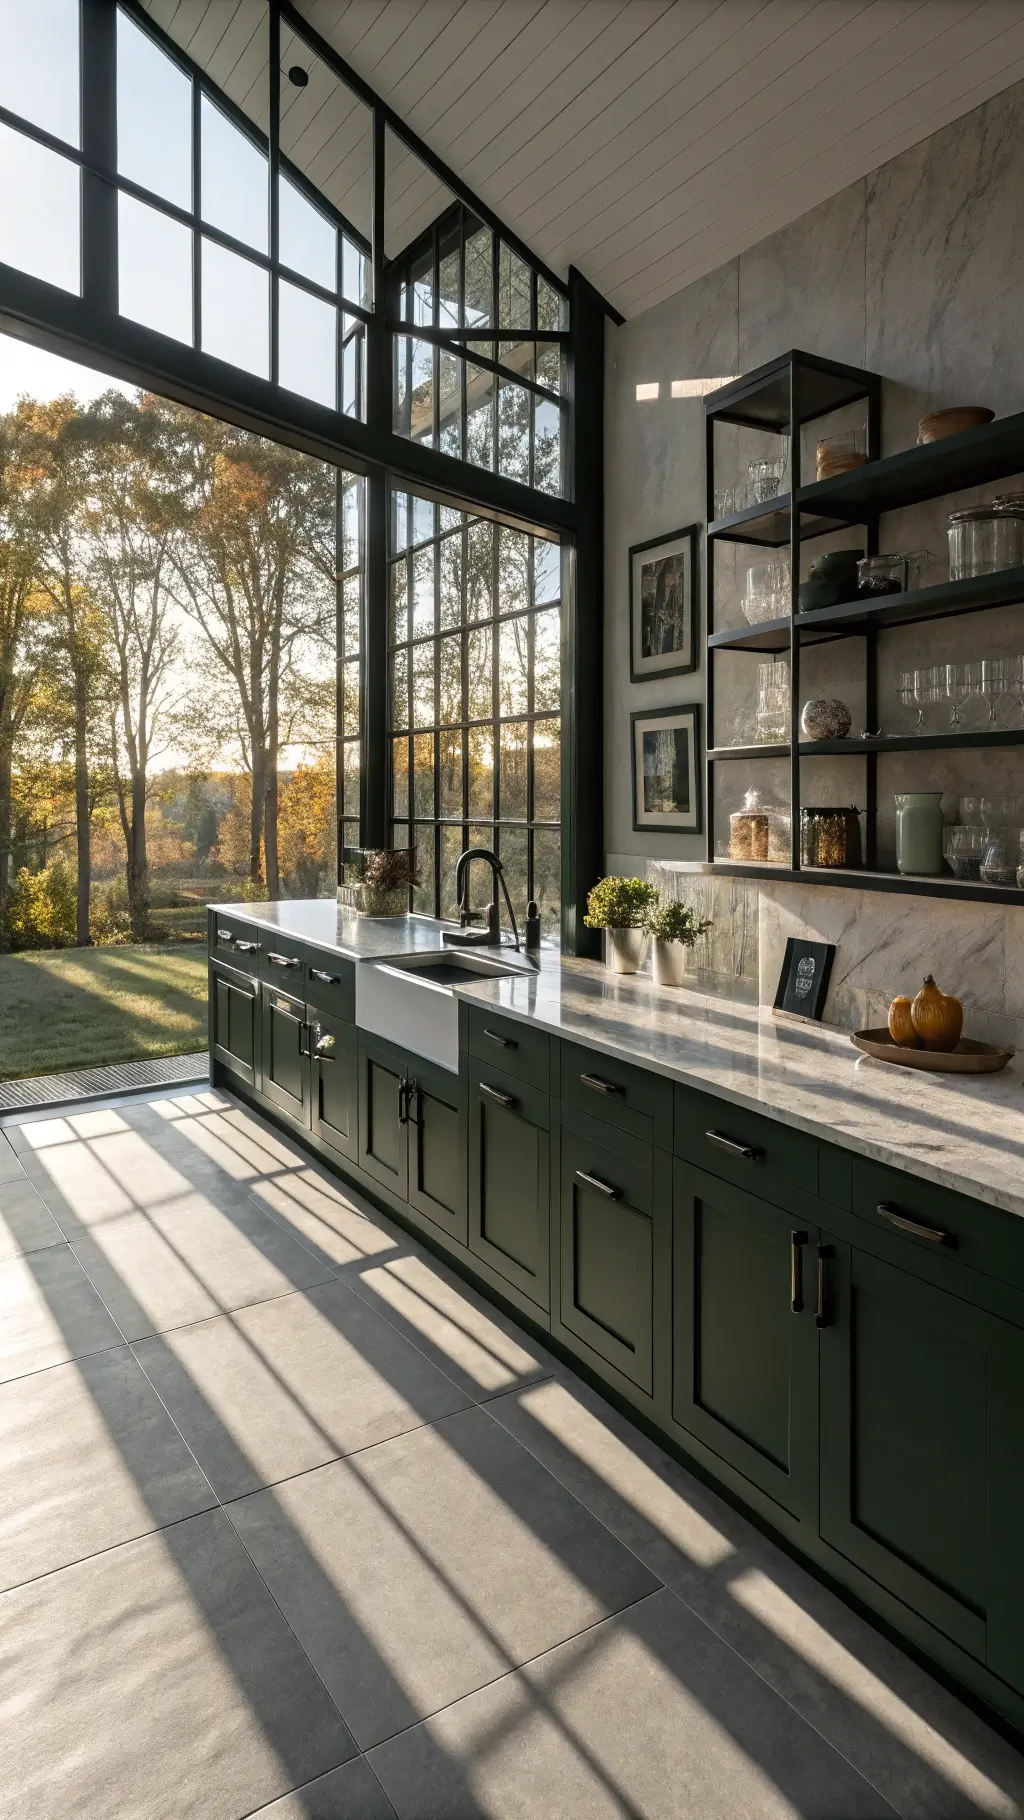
pixel 532 928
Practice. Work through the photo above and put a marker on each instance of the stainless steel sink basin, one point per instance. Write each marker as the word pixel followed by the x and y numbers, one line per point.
pixel 409 998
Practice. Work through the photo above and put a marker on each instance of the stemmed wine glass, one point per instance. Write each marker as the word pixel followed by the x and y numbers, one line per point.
pixel 962 680
pixel 996 681
pixel 929 688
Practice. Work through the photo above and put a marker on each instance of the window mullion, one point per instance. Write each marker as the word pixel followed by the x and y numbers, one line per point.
pixel 98 76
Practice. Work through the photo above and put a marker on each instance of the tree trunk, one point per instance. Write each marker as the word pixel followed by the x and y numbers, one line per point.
pixel 82 815
pixel 259 787
pixel 5 843
pixel 139 903
pixel 270 828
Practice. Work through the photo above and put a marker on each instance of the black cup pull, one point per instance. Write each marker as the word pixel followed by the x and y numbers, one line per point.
pixel 797 1241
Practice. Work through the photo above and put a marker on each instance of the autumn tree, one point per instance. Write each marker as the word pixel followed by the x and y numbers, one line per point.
pixel 22 615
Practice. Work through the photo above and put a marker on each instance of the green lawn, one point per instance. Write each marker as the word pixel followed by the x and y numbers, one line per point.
pixel 82 1007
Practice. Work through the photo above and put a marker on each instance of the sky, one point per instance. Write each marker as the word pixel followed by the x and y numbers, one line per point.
pixel 24 368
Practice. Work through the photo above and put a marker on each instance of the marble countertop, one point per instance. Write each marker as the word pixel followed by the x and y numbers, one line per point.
pixel 965 1132
pixel 338 930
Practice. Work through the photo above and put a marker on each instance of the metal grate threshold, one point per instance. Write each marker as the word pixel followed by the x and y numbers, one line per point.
pixel 103 1083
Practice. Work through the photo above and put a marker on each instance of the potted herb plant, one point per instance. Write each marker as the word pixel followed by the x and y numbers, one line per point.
pixel 385 882
pixel 622 906
pixel 674 927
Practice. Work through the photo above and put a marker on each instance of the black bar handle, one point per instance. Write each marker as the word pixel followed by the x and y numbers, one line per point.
pixel 305 1033
pixel 500 1099
pixel 821 1310
pixel 506 1042
pixel 797 1241
pixel 594 1181
pixel 600 1085
pixel 247 947
pixel 283 960
pixel 406 1089
pixel 329 979
pixel 934 1234
pixel 748 1152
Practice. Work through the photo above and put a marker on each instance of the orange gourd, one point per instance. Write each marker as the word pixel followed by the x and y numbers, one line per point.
pixel 901 1026
pixel 937 1017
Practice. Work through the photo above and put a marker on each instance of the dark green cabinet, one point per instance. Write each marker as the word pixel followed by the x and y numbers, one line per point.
pixel 509 1190
pixel 411 1136
pixel 234 1022
pixel 922 1450
pixel 745 1373
pixel 607 1251
pixel 334 1085
pixel 284 1055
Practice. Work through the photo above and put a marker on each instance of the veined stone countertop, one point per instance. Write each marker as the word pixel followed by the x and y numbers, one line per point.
pixel 964 1132
pixel 338 930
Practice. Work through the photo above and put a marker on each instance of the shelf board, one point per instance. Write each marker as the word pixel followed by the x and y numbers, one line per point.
pixel 852 618
pixel 760 399
pixel 845 878
pixel 776 750
pixel 971 459
pixel 769 524
pixel 912 742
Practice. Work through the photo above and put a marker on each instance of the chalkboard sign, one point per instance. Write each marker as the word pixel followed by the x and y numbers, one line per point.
pixel 803 982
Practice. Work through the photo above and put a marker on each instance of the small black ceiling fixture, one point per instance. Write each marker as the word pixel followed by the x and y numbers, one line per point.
pixel 298 75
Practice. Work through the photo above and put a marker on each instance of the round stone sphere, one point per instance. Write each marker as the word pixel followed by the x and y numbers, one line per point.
pixel 825 719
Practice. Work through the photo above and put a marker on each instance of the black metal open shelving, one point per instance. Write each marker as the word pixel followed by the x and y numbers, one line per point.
pixel 780 397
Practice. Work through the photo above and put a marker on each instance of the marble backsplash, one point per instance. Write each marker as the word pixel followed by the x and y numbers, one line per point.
pixel 885 943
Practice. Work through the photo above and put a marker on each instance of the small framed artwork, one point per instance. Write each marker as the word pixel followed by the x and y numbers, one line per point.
pixel 667 760
pixel 803 982
pixel 663 598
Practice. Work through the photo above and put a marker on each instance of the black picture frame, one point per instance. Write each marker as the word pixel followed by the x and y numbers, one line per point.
pixel 803 982
pixel 658 614
pixel 651 730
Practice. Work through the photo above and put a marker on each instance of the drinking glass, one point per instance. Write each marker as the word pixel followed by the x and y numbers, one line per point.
pixel 929 688
pixel 962 680
pixel 905 689
pixel 1016 682
pixel 996 681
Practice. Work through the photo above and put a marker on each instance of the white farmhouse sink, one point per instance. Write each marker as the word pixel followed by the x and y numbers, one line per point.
pixel 409 998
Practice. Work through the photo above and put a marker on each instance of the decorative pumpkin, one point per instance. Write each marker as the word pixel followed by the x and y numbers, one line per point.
pixel 901 1026
pixel 937 1017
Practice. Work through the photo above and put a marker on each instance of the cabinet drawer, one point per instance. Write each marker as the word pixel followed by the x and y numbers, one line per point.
pixel 515 1048
pixel 236 942
pixel 282 961
pixel 606 1286
pixel 613 1091
pixel 939 1222
pixel 741 1146
pixel 330 984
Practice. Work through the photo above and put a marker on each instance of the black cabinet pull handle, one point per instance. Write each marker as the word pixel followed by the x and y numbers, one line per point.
pixel 282 960
pixel 595 1182
pixel 748 1152
pixel 821 1310
pixel 305 1033
pixel 506 1042
pixel 406 1089
pixel 934 1234
pixel 797 1242
pixel 601 1086
pixel 246 947
pixel 329 979
pixel 500 1099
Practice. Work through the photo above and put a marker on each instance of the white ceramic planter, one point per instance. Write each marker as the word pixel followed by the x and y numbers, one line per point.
pixel 625 949
pixel 669 962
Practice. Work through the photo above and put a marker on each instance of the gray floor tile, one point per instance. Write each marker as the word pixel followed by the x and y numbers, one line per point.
pixel 286 1385
pixel 10 1164
pixel 349 1793
pixel 49 1312
pixel 648 1715
pixel 194 1258
pixel 422 1568
pixel 332 1221
pixel 89 1458
pixel 157 1679
pixel 25 1221
pixel 472 1341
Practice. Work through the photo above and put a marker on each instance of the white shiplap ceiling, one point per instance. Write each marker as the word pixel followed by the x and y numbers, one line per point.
pixel 644 141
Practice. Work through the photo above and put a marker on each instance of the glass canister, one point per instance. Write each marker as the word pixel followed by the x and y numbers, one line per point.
pixel 748 829
pixel 984 539
pixel 919 832
pixel 830 836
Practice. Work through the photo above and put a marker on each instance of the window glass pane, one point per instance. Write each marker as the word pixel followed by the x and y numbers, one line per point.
pixel 400 690
pixel 236 310
pixel 549 367
pixel 449 380
pixel 234 181
pixel 423 685
pixel 480 745
pixel 150 88
pixel 307 355
pixel 513 290
pixel 449 804
pixel 327 133
pixel 547 571
pixel 451 851
pixel 479 282
pixel 40 211
pixel 449 665
pixel 547 881
pixel 423 525
pixel 547 448
pixel 423 591
pixel 400 777
pixel 351 613
pixel 351 506
pixel 478 675
pixel 307 241
pixel 480 571
pixel 514 432
pixel 513 666
pixel 513 570
pixel 353 370
pixel 547 639
pixel 39 69
pixel 399 522
pixel 423 894
pixel 513 846
pixel 154 269
pixel 449 314
pixel 350 698
pixel 518 356
pixel 399 626
pixel 552 308
pixel 480 386
pixel 423 774
pixel 351 784
pixel 451 580
pixel 547 779
pixel 512 775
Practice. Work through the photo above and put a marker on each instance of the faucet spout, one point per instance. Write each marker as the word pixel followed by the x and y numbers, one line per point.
pixel 491 935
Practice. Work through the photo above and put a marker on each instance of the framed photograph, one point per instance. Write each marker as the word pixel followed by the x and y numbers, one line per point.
pixel 667 760
pixel 663 605
pixel 803 982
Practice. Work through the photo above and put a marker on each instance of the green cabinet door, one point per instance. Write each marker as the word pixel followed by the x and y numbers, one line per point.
pixel 606 1251
pixel 744 1335
pixel 383 1114
pixel 234 1022
pixel 508 1180
pixel 334 1084
pixel 284 1057
pixel 437 1147
pixel 922 1450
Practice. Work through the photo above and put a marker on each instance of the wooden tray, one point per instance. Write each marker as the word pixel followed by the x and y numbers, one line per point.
pixel 967 1058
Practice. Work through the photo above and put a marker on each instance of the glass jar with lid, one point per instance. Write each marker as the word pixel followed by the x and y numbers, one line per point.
pixel 760 831
pixel 830 836
pixel 984 539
